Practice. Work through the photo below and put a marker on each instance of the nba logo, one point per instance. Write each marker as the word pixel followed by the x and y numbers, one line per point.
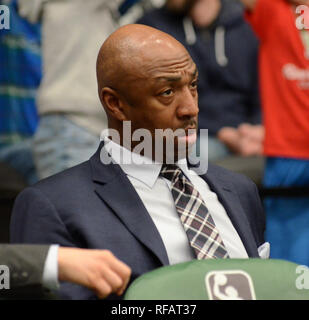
pixel 229 285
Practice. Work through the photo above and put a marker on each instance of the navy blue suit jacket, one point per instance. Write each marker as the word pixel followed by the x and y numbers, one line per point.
pixel 95 206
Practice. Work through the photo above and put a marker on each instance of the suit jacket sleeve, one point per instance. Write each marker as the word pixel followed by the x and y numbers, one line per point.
pixel 26 266
pixel 35 219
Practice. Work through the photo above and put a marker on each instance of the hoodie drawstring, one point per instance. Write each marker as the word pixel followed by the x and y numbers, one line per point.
pixel 189 31
pixel 190 35
pixel 220 47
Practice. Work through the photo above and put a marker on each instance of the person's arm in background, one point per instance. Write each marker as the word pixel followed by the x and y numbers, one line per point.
pixel 25 264
pixel 246 140
pixel 34 268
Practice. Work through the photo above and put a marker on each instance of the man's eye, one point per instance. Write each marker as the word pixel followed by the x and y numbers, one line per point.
pixel 167 93
pixel 194 84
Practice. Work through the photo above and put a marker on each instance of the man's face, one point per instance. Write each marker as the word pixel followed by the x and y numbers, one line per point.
pixel 163 94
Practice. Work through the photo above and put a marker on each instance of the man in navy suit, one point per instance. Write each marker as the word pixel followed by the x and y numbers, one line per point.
pixel 148 78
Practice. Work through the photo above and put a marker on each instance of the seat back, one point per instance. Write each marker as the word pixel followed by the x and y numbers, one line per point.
pixel 11 183
pixel 223 279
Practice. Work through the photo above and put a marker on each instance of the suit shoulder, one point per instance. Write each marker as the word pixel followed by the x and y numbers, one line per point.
pixel 72 178
pixel 53 191
pixel 228 174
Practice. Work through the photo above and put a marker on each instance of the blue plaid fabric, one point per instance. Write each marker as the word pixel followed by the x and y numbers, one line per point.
pixel 20 75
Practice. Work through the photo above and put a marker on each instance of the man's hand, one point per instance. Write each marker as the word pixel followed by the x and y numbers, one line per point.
pixel 98 270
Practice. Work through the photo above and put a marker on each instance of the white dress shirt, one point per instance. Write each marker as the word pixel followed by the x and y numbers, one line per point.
pixel 50 272
pixel 155 193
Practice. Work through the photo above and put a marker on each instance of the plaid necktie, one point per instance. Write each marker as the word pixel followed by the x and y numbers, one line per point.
pixel 197 221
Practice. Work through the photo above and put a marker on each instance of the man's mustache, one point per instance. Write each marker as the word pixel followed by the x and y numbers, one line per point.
pixel 192 124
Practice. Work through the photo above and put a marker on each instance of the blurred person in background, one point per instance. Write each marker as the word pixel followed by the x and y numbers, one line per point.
pixel 71 117
pixel 225 50
pixel 70 114
pixel 20 76
pixel 284 75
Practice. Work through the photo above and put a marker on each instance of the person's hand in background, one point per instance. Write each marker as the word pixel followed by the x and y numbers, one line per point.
pixel 98 270
pixel 251 139
pixel 246 140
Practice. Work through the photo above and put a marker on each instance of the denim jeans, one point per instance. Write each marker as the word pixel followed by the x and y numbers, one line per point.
pixel 60 144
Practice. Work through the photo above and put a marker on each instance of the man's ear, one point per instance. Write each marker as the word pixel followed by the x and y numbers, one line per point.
pixel 113 103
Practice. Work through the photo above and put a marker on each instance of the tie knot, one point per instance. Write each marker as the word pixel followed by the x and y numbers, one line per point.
pixel 170 171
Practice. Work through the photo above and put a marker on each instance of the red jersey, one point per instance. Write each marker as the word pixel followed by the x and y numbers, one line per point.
pixel 284 79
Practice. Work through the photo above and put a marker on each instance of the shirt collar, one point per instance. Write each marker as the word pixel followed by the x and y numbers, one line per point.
pixel 138 166
pixel 133 164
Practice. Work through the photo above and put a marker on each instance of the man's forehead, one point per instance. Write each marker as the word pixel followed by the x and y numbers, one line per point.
pixel 161 66
pixel 136 52
pixel 177 75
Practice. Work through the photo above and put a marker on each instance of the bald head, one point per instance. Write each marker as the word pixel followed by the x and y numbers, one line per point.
pixel 129 53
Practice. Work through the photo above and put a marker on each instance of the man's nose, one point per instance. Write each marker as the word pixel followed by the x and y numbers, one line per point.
pixel 187 104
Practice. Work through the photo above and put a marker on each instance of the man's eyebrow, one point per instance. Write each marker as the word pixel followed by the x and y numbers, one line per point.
pixel 176 78
pixel 169 78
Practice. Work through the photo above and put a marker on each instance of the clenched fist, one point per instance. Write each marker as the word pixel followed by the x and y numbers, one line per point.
pixel 98 270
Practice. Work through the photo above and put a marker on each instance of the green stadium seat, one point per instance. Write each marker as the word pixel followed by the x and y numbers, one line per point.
pixel 223 279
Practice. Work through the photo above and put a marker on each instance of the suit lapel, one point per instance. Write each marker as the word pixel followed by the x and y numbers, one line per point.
pixel 115 189
pixel 230 201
